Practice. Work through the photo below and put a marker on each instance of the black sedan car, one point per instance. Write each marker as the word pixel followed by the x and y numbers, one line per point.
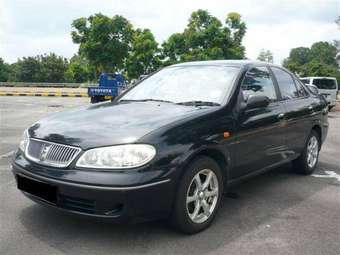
pixel 171 145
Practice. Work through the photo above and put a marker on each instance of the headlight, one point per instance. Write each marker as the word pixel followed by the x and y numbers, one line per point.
pixel 23 143
pixel 120 156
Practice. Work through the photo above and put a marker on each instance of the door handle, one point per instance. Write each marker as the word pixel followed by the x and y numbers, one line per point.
pixel 281 116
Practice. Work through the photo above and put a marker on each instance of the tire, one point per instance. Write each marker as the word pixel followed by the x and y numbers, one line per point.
pixel 97 99
pixel 306 164
pixel 94 100
pixel 330 108
pixel 183 215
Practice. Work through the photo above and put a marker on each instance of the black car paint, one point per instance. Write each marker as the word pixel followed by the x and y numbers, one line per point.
pixel 260 139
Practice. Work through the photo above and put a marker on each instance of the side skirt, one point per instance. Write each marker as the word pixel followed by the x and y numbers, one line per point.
pixel 238 180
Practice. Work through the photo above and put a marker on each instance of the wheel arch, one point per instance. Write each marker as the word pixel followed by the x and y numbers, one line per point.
pixel 318 130
pixel 217 155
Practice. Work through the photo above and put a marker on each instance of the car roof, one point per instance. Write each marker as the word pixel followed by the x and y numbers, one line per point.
pixel 240 63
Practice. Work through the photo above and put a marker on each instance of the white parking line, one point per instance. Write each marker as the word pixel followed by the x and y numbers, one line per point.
pixel 6 155
pixel 329 174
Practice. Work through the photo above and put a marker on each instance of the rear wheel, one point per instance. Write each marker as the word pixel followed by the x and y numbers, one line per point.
pixel 199 196
pixel 94 100
pixel 308 160
pixel 97 99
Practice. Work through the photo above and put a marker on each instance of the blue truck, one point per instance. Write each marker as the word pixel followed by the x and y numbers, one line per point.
pixel 110 86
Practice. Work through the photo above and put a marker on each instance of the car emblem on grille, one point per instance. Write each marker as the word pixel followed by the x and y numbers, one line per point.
pixel 44 151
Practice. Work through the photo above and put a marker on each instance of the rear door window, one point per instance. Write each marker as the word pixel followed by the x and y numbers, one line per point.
pixel 286 84
pixel 258 82
pixel 324 83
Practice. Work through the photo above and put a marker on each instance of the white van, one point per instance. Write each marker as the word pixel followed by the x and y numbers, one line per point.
pixel 328 87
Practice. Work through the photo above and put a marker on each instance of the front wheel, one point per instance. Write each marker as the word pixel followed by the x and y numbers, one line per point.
pixel 94 100
pixel 308 160
pixel 97 99
pixel 199 196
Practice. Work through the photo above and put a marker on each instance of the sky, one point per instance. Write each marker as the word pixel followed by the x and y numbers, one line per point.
pixel 32 27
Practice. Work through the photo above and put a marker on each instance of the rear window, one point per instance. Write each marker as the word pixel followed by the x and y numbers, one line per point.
pixel 324 83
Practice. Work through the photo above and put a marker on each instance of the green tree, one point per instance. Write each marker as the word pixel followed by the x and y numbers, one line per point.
pixel 300 55
pixel 28 69
pixel 79 70
pixel 324 52
pixel 205 37
pixel 266 55
pixel 144 55
pixel 13 72
pixel 4 70
pixel 52 68
pixel 41 68
pixel 316 68
pixel 174 48
pixel 234 48
pixel 319 60
pixel 104 41
pixel 297 58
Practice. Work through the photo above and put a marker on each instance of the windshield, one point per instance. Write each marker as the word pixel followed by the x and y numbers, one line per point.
pixel 183 84
pixel 324 83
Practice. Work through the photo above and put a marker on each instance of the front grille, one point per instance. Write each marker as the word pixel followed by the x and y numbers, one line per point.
pixel 51 154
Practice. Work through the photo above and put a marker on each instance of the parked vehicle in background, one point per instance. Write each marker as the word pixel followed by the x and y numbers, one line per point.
pixel 170 146
pixel 314 89
pixel 327 86
pixel 110 86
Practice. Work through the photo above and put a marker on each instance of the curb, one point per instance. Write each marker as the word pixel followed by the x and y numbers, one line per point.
pixel 44 94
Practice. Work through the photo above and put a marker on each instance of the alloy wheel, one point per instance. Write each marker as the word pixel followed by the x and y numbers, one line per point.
pixel 202 196
pixel 312 151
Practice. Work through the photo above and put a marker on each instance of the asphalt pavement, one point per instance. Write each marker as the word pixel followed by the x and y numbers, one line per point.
pixel 278 212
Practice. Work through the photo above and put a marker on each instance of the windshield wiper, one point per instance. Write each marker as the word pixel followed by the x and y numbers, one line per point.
pixel 199 103
pixel 145 100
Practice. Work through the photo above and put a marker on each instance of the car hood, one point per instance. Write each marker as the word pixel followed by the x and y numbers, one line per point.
pixel 109 123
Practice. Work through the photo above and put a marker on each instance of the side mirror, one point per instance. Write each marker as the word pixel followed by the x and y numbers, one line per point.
pixel 313 88
pixel 257 102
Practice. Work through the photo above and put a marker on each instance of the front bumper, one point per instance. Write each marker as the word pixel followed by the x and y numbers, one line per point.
pixel 125 203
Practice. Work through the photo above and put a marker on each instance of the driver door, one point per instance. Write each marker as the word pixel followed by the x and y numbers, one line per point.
pixel 260 131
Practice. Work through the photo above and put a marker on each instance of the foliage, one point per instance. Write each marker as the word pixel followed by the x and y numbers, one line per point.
pixel 104 41
pixel 28 69
pixel 46 68
pixel 52 68
pixel 4 70
pixel 111 44
pixel 144 55
pixel 319 60
pixel 205 38
pixel 300 55
pixel 79 70
pixel 324 52
pixel 316 68
pixel 266 55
